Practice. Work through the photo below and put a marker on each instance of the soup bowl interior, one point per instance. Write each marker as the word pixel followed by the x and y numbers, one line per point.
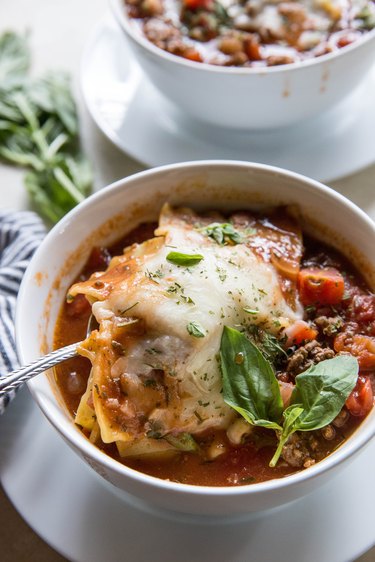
pixel 251 98
pixel 114 211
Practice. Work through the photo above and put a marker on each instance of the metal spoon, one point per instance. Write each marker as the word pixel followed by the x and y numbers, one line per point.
pixel 18 377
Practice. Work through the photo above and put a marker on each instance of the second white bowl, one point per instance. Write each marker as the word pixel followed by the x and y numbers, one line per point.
pixel 250 98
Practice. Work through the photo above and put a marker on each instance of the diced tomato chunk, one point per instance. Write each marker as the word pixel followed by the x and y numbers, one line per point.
pixel 197 4
pixel 252 49
pixel 344 41
pixel 347 38
pixel 286 390
pixel 362 347
pixel 363 308
pixel 298 333
pixel 361 398
pixel 320 286
pixel 78 307
pixel 192 54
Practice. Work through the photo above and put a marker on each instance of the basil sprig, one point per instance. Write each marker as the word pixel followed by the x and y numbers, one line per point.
pixel 251 388
pixel 177 258
pixel 318 397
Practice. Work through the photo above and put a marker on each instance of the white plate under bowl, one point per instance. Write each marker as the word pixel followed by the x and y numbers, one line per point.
pixel 137 119
pixel 85 519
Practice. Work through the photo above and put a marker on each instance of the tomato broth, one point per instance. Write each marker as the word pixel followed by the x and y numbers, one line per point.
pixel 338 317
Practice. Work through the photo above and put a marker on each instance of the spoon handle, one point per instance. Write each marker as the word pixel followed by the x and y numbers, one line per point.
pixel 22 375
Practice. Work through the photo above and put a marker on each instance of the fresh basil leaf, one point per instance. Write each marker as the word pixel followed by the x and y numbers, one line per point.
pixel 249 382
pixel 177 258
pixel 196 330
pixel 182 441
pixel 323 389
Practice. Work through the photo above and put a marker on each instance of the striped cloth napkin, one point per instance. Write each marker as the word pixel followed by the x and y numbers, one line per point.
pixel 20 235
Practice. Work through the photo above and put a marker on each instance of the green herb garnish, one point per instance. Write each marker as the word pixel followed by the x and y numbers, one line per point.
pixel 177 258
pixel 153 275
pixel 39 130
pixel 182 441
pixel 195 330
pixel 251 388
pixel 122 312
pixel 14 59
pixel 222 273
pixel 223 233
pixel 367 15
pixel 267 343
pixel 177 290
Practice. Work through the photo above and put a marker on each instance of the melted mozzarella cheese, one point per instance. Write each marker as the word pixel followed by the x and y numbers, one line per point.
pixel 230 286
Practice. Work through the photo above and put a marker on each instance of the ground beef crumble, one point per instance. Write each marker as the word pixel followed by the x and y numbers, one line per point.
pixel 306 356
pixel 300 450
pixel 329 326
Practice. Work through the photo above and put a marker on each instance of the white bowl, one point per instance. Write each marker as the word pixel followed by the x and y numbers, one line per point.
pixel 110 213
pixel 250 98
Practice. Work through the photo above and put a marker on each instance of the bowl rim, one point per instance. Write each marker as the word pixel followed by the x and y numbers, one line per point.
pixel 72 434
pixel 124 22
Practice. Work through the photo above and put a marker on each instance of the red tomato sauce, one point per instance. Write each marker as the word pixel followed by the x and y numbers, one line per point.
pixel 248 463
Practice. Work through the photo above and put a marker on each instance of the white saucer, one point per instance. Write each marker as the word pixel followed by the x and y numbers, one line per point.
pixel 85 519
pixel 132 114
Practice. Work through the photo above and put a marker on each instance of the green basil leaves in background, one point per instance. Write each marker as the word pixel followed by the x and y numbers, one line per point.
pixel 251 388
pixel 14 59
pixel 39 130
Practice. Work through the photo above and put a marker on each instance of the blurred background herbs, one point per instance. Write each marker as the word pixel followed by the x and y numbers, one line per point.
pixel 39 130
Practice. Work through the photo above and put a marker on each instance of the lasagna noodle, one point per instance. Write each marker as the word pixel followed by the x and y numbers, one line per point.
pixel 167 380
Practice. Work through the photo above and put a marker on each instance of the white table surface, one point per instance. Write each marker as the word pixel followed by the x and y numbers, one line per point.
pixel 59 29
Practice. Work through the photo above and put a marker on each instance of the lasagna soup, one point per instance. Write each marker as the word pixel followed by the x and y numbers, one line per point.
pixel 251 33
pixel 227 350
